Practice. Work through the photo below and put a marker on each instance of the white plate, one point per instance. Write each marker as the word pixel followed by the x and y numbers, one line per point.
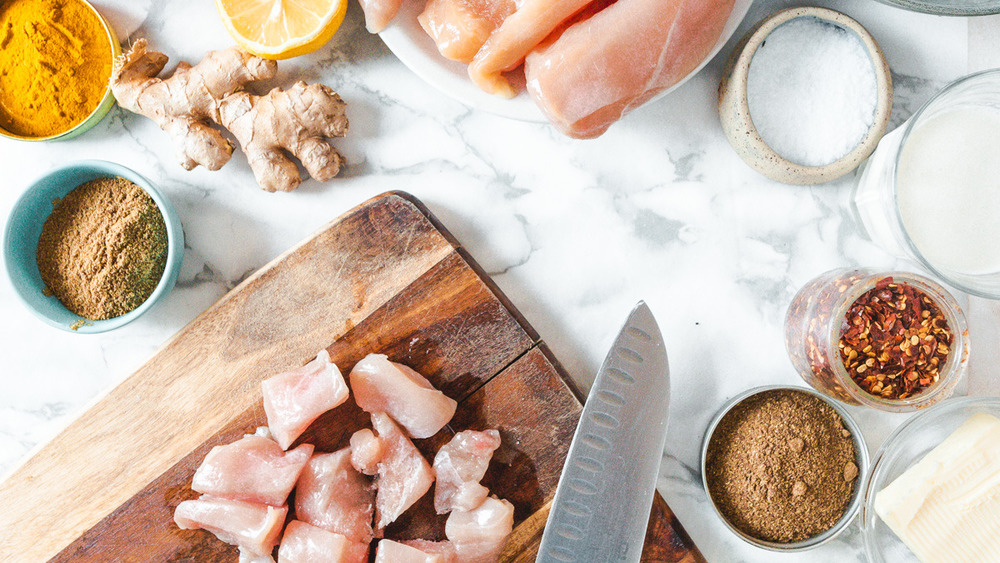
pixel 411 44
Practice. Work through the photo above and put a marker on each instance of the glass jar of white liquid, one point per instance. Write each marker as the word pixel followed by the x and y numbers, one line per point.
pixel 931 190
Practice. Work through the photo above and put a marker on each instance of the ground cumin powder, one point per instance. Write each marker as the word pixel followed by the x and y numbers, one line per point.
pixel 781 466
pixel 103 249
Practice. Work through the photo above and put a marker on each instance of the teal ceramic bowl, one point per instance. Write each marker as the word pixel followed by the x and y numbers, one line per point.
pixel 24 227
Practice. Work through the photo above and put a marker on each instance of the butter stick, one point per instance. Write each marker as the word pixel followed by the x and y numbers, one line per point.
pixel 947 506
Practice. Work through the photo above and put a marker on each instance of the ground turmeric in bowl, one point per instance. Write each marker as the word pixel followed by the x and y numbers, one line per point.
pixel 55 65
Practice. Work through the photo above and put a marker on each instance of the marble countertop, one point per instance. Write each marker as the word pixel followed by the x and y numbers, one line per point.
pixel 660 208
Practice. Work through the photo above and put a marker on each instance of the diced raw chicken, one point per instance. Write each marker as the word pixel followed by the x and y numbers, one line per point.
pixel 519 33
pixel 383 386
pixel 403 474
pixel 367 450
pixel 389 551
pixel 252 469
pixel 253 527
pixel 459 466
pixel 479 535
pixel 330 494
pixel 293 399
pixel 378 13
pixel 600 69
pixel 443 548
pixel 461 27
pixel 305 543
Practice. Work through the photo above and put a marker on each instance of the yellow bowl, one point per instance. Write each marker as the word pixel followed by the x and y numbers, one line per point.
pixel 100 111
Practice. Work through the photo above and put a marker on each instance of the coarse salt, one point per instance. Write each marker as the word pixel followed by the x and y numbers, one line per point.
pixel 811 91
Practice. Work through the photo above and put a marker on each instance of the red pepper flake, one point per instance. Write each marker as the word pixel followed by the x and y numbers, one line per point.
pixel 894 340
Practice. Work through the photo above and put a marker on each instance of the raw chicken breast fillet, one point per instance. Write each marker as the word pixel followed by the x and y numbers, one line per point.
pixel 383 386
pixel 294 399
pixel 459 466
pixel 253 527
pixel 252 469
pixel 389 551
pixel 403 474
pixel 461 27
pixel 305 543
pixel 378 13
pixel 331 495
pixel 519 33
pixel 601 68
pixel 367 450
pixel 479 535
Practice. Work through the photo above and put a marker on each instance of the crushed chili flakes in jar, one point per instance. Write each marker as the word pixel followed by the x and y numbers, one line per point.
pixel 894 340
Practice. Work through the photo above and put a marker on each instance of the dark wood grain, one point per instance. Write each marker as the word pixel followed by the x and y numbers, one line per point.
pixel 438 313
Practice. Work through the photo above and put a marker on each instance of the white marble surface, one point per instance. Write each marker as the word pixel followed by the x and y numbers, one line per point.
pixel 660 208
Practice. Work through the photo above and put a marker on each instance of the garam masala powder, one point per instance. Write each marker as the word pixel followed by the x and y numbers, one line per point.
pixel 103 249
pixel 780 466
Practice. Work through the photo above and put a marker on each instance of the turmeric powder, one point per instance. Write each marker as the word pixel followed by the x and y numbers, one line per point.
pixel 55 65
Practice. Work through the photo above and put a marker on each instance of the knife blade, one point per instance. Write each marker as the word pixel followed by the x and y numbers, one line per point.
pixel 601 506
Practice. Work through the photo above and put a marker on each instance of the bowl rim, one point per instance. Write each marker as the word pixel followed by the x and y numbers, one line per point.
pixel 102 108
pixel 175 243
pixel 860 485
pixel 880 459
pixel 734 107
pixel 940 10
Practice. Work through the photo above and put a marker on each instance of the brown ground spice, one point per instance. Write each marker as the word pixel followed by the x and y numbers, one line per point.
pixel 781 466
pixel 103 249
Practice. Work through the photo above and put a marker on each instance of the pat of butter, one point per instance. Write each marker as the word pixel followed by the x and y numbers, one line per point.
pixel 947 506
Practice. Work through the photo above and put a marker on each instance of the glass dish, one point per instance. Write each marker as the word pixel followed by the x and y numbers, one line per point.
pixel 904 447
pixel 813 327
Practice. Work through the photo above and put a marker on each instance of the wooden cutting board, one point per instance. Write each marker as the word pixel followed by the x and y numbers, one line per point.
pixel 385 277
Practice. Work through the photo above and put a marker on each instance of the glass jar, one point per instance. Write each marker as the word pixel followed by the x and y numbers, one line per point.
pixel 928 192
pixel 818 318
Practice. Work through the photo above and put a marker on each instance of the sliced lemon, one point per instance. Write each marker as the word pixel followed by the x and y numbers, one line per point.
pixel 281 29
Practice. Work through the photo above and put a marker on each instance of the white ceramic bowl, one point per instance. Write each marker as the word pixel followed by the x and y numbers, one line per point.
pixel 411 44
pixel 913 440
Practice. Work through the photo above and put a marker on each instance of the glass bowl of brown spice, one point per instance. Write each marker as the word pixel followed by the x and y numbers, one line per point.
pixel 91 246
pixel 784 467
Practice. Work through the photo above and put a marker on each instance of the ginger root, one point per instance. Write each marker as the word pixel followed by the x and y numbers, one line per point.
pixel 184 104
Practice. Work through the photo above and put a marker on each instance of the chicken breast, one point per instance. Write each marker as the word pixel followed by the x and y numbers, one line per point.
pixel 461 27
pixel 378 13
pixel 518 34
pixel 294 399
pixel 305 543
pixel 479 535
pixel 383 386
pixel 331 495
pixel 389 551
pixel 601 68
pixel 253 469
pixel 253 527
pixel 443 548
pixel 403 474
pixel 459 466
pixel 367 450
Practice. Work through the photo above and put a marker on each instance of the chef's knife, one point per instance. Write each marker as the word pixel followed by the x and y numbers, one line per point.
pixel 601 507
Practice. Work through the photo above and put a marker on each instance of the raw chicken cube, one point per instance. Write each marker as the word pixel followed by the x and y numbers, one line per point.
pixel 403 474
pixel 253 469
pixel 253 527
pixel 305 543
pixel 383 386
pixel 459 466
pixel 294 399
pixel 461 27
pixel 367 450
pixel 443 548
pixel 479 535
pixel 331 495
pixel 389 551
pixel 378 13
pixel 601 68
pixel 519 33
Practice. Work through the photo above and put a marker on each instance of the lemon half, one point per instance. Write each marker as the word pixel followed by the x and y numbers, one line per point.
pixel 281 29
